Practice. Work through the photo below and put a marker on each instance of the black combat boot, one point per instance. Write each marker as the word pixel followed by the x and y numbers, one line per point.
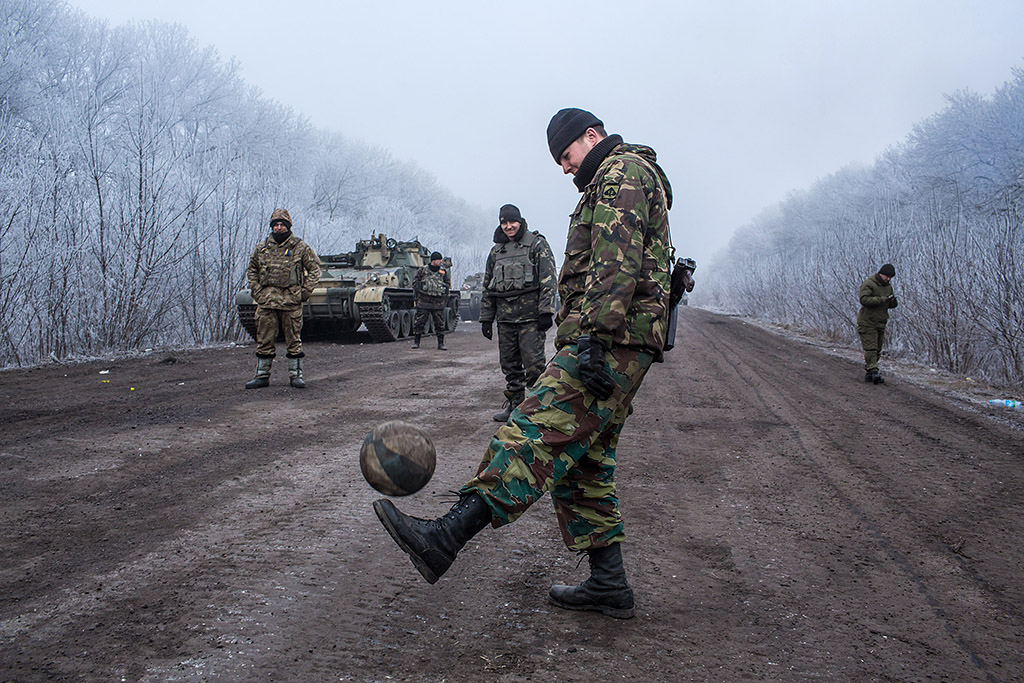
pixel 416 341
pixel 869 376
pixel 606 591
pixel 508 407
pixel 440 343
pixel 262 378
pixel 433 544
pixel 877 378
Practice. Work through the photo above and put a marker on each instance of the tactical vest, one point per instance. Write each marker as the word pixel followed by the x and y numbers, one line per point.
pixel 280 265
pixel 514 272
pixel 433 283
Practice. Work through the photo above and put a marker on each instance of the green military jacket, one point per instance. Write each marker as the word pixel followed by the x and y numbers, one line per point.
pixel 874 302
pixel 282 275
pixel 615 280
pixel 432 288
pixel 519 279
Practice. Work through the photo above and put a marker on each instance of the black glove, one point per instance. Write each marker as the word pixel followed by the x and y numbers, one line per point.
pixel 487 330
pixel 593 371
pixel 890 301
pixel 305 295
pixel 545 321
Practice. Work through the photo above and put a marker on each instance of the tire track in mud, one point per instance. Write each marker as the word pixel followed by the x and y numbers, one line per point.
pixel 887 521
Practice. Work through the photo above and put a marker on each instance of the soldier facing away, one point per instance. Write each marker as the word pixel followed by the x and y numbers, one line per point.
pixel 283 270
pixel 614 288
pixel 432 286
pixel 876 298
pixel 519 293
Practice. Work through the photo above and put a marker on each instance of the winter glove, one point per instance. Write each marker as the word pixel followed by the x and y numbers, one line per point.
pixel 544 322
pixel 890 301
pixel 305 295
pixel 593 371
pixel 487 330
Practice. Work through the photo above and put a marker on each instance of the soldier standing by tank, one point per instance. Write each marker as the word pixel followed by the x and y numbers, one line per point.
pixel 519 293
pixel 614 287
pixel 432 286
pixel 876 298
pixel 283 270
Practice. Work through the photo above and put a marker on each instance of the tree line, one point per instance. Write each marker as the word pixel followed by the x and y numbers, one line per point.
pixel 944 206
pixel 139 170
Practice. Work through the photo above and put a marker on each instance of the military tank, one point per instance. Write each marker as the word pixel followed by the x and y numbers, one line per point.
pixel 370 286
pixel 470 295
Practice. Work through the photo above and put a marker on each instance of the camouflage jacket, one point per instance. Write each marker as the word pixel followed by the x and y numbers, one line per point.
pixel 615 279
pixel 875 302
pixel 280 274
pixel 432 288
pixel 527 295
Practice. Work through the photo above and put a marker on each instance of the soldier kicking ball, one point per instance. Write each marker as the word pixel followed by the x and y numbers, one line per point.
pixel 614 288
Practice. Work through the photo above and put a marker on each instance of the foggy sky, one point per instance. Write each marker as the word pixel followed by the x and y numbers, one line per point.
pixel 744 100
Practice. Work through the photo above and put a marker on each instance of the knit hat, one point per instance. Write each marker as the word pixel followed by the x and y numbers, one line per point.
pixel 887 270
pixel 566 126
pixel 510 213
pixel 281 215
pixel 436 256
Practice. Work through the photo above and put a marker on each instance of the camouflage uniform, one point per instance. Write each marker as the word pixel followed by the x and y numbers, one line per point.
pixel 432 288
pixel 872 318
pixel 281 276
pixel 519 287
pixel 614 284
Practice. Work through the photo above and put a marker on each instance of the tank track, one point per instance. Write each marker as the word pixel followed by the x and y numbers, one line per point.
pixel 247 316
pixel 372 316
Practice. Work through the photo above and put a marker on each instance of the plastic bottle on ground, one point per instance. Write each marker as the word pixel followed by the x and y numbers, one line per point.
pixel 1008 402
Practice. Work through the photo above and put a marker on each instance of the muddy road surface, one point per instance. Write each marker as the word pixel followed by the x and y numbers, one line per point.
pixel 785 521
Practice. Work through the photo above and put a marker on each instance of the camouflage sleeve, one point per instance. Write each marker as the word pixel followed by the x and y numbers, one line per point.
pixel 546 274
pixel 311 265
pixel 252 273
pixel 621 215
pixel 486 298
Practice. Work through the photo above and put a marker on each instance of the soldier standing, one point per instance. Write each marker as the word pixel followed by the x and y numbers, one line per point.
pixel 876 298
pixel 283 270
pixel 432 286
pixel 614 287
pixel 519 293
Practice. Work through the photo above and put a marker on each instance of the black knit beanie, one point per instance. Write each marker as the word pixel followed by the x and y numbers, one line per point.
pixel 566 126
pixel 887 270
pixel 510 213
pixel 436 256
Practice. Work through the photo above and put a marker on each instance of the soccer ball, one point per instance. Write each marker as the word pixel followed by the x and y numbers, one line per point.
pixel 397 458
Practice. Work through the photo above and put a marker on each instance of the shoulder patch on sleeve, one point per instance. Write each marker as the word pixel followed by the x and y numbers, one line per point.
pixel 610 192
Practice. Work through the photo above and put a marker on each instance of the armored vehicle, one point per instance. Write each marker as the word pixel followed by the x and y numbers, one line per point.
pixel 469 296
pixel 370 286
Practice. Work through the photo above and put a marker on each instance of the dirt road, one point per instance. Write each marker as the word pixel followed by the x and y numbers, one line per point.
pixel 785 522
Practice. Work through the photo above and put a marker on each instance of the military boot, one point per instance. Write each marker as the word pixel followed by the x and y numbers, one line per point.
pixel 262 378
pixel 440 343
pixel 416 341
pixel 295 373
pixel 878 379
pixel 507 408
pixel 433 544
pixel 606 591
pixel 869 376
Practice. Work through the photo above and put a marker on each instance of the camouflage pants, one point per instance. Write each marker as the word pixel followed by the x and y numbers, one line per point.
pixel 562 440
pixel 420 322
pixel 268 321
pixel 871 338
pixel 521 354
